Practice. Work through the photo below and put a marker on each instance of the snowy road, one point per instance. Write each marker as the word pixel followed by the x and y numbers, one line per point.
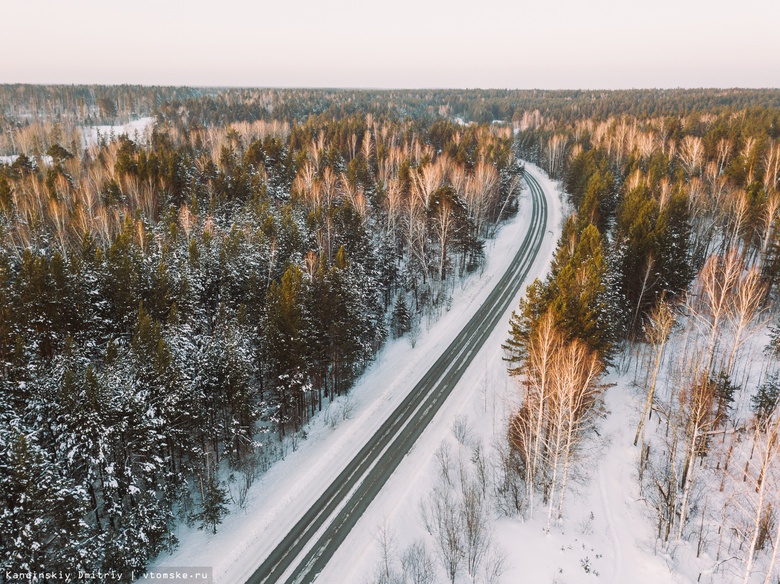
pixel 303 553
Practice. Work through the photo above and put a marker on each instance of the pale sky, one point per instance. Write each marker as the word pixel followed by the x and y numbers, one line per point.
pixel 549 44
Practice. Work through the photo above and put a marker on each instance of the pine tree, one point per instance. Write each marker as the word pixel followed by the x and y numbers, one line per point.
pixel 41 508
pixel 400 321
pixel 286 347
pixel 123 278
pixel 213 504
pixel 765 401
pixel 577 292
pixel 6 195
pixel 653 248
pixel 347 328
pixel 58 154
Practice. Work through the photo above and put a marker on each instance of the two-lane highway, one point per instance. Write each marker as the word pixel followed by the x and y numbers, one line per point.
pixel 328 522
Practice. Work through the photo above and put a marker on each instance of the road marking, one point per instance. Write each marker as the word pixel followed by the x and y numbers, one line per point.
pixel 336 510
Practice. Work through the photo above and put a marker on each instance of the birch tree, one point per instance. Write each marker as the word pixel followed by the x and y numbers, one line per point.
pixel 763 479
pixel 659 327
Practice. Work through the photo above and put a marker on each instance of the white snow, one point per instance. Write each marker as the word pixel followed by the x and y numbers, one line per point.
pixel 44 159
pixel 616 541
pixel 139 130
pixel 619 530
pixel 284 493
pixel 607 532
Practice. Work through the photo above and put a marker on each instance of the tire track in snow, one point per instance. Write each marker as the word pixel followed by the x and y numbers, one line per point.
pixel 605 501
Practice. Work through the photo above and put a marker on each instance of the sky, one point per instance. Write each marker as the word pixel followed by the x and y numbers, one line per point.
pixel 549 44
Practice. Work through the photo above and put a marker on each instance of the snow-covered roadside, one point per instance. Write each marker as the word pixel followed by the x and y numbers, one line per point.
pixel 482 397
pixel 606 535
pixel 281 496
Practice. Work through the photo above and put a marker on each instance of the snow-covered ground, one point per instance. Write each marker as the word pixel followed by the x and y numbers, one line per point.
pixel 606 527
pixel 607 534
pixel 138 130
pixel 605 531
pixel 10 159
pixel 281 495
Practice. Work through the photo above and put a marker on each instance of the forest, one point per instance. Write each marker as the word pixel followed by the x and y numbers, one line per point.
pixel 176 305
pixel 666 275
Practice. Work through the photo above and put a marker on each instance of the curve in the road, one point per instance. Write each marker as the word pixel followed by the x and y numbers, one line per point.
pixel 370 469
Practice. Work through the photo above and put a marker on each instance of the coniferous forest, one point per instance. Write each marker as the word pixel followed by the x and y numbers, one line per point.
pixel 180 302
pixel 667 275
pixel 176 304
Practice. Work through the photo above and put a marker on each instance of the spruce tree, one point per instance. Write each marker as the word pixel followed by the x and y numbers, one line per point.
pixel 577 290
pixel 400 321
pixel 213 504
pixel 765 401
pixel 42 510
pixel 286 346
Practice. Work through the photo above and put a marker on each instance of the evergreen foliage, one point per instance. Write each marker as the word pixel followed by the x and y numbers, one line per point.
pixel 765 401
pixel 576 292
pixel 171 304
pixel 400 322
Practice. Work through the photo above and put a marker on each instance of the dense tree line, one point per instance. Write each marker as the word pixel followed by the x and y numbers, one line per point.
pixel 174 310
pixel 688 186
pixel 479 106
pixel 176 307
pixel 102 104
pixel 668 265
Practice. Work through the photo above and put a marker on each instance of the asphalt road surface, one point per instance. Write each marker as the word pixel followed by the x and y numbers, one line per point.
pixel 303 553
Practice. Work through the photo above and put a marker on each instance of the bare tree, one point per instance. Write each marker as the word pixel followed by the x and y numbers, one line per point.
pixel 746 301
pixel 386 572
pixel 748 148
pixel 528 425
pixel 425 181
pixel 659 327
pixel 509 485
pixel 556 150
pixel 417 564
pixel 443 226
pixel 764 480
pixel 710 302
pixel 442 520
pixel 724 148
pixel 481 193
pixel 494 566
pixel 475 525
pixel 697 400
pixel 769 217
pixel 561 382
pixel 691 154
pixel 444 459
pixel 580 369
